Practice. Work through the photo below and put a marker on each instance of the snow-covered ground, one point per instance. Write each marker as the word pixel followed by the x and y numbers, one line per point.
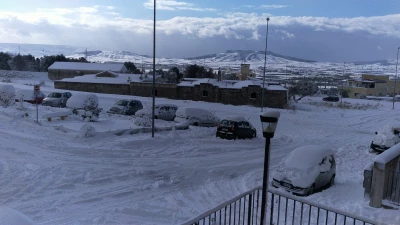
pixel 54 176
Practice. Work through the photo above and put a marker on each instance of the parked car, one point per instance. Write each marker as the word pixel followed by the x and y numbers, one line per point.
pixel 126 107
pixel 161 111
pixel 57 99
pixel 386 138
pixel 29 96
pixel 305 170
pixel 196 117
pixel 235 127
pixel 331 99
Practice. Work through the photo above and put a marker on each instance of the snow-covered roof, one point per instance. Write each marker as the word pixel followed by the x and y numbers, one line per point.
pixel 235 84
pixel 116 67
pixel 120 79
pixel 307 156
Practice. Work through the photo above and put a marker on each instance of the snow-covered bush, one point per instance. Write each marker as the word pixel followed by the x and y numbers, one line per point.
pixel 386 136
pixel 7 95
pixel 85 105
pixel 87 131
pixel 143 122
pixel 86 101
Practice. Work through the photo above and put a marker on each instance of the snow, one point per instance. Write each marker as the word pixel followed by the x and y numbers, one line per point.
pixel 83 101
pixel 388 155
pixel 7 89
pixel 10 216
pixel 114 67
pixel 386 137
pixel 304 157
pixel 57 114
pixel 235 84
pixel 54 176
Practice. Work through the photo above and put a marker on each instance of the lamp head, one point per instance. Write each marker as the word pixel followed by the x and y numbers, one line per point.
pixel 269 122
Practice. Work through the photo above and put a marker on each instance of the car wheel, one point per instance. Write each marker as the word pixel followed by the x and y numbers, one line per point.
pixel 254 135
pixel 61 105
pixel 311 190
pixel 156 117
pixel 234 137
pixel 196 124
pixel 216 134
pixel 332 181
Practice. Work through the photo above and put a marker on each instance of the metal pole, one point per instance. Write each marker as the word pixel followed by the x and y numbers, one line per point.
pixel 395 78
pixel 265 64
pixel 37 107
pixel 341 92
pixel 154 72
pixel 264 198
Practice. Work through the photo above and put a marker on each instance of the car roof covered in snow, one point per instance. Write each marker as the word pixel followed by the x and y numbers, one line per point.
pixel 235 118
pixel 307 156
pixel 187 111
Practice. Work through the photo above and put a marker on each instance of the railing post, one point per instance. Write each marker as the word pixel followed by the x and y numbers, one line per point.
pixel 272 209
pixel 249 210
pixel 377 185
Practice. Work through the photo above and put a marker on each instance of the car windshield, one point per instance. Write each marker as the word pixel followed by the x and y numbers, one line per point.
pixel 227 123
pixel 122 103
pixel 54 95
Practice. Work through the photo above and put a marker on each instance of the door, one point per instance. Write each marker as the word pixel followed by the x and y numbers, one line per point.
pixel 324 173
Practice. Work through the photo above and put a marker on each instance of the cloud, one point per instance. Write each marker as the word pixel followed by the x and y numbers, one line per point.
pixel 274 6
pixel 174 5
pixel 103 26
pixel 285 33
pixel 379 47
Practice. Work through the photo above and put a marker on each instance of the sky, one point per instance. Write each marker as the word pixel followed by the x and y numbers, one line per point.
pixel 322 30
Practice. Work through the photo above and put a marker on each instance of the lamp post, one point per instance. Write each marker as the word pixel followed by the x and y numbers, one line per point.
pixel 395 78
pixel 265 64
pixel 154 72
pixel 269 122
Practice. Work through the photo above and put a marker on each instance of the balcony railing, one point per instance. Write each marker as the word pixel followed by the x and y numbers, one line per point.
pixel 283 208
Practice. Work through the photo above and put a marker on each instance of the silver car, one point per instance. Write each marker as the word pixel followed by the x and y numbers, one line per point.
pixel 57 99
pixel 126 107
pixel 305 170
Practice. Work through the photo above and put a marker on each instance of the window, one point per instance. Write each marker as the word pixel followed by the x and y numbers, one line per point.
pixel 350 84
pixel 253 95
pixel 205 93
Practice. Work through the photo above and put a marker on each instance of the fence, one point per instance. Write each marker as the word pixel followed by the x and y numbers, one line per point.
pixel 392 192
pixel 283 208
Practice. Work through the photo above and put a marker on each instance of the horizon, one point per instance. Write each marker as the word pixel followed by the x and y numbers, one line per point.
pixel 357 32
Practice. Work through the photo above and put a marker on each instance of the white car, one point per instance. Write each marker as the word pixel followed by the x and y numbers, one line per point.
pixel 161 111
pixel 386 138
pixel 196 117
pixel 305 170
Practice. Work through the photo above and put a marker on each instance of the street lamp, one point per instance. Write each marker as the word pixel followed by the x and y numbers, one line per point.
pixel 154 72
pixel 269 122
pixel 395 78
pixel 265 64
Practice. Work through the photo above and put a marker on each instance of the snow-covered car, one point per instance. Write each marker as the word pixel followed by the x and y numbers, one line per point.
pixel 29 96
pixel 196 117
pixel 161 111
pixel 126 107
pixel 305 170
pixel 7 95
pixel 386 138
pixel 57 99
pixel 233 127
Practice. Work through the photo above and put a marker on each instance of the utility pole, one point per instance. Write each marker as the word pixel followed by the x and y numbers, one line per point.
pixel 19 50
pixel 154 72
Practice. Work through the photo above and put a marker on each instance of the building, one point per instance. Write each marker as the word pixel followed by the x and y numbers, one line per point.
pixel 370 85
pixel 60 70
pixel 233 92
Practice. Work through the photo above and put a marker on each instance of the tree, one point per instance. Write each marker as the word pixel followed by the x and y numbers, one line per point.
pixel 195 71
pixel 174 71
pixel 4 58
pixel 130 66
pixel 301 88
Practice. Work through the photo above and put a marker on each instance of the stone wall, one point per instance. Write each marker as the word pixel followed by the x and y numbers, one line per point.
pixel 250 95
pixel 119 89
pixel 146 90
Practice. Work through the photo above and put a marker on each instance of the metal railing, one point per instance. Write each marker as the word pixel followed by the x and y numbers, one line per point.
pixel 283 208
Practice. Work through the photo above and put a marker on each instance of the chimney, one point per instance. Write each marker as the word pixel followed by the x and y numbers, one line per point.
pixel 219 74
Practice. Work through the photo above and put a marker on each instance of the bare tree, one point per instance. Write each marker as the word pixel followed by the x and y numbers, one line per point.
pixel 300 88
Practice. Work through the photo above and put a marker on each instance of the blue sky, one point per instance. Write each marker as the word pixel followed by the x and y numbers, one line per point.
pixel 323 30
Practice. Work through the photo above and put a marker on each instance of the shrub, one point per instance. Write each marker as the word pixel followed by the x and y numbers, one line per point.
pixel 7 95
